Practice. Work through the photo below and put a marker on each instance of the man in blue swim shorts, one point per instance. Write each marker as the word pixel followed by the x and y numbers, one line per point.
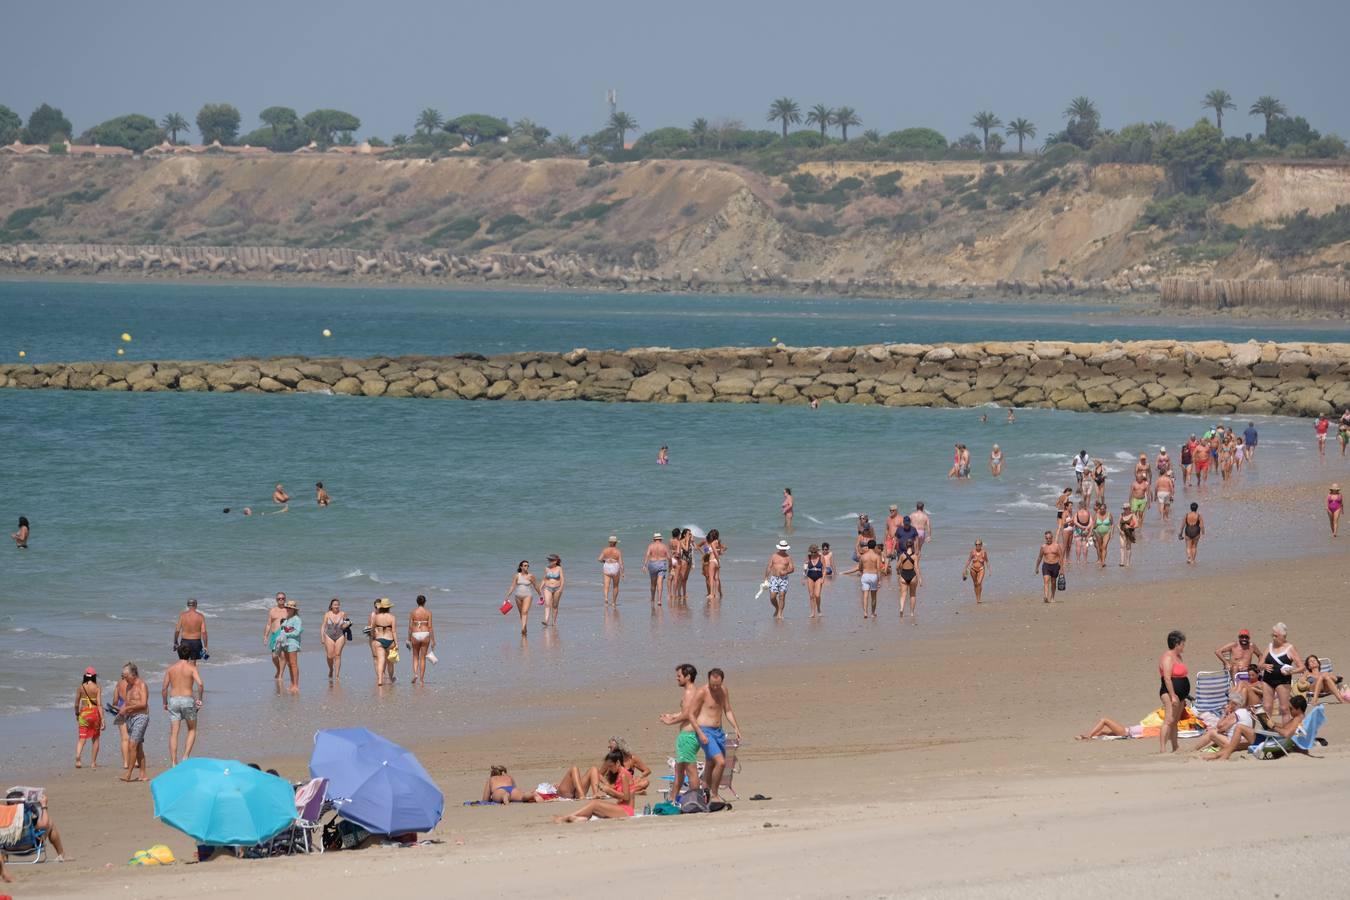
pixel 714 702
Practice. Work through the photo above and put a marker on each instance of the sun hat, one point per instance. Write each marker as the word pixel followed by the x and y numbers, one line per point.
pixel 90 671
pixel 783 546
pixel 290 604
pixel 613 539
pixel 656 535
pixel 1335 487
pixel 385 603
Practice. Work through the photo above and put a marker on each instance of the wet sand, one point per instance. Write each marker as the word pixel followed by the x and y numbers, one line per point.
pixel 941 766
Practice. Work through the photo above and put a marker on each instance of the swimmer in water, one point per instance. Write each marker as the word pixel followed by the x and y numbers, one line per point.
pixel 827 557
pixel 663 456
pixel 321 495
pixel 787 509
pixel 996 461
pixel 21 536
pixel 1011 418
pixel 280 497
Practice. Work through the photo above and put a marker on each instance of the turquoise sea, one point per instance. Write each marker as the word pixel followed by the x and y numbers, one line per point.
pixel 125 494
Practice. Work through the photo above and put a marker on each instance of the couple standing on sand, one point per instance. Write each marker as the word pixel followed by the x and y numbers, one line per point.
pixel 700 721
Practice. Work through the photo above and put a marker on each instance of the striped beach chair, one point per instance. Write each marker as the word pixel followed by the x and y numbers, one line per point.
pixel 1211 692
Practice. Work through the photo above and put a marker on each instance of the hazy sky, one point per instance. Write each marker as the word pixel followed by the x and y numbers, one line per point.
pixel 898 63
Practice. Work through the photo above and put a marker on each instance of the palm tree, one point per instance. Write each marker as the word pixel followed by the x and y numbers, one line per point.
pixel 1082 109
pixel 621 123
pixel 1266 106
pixel 785 110
pixel 822 116
pixel 428 120
pixel 563 145
pixel 1158 129
pixel 525 128
pixel 844 117
pixel 174 123
pixel 984 121
pixel 698 130
pixel 1218 100
pixel 1023 129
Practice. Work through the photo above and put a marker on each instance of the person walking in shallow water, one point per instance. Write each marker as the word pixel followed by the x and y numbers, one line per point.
pixel 1192 529
pixel 657 563
pixel 182 693
pixel 977 566
pixel 421 638
pixel 776 573
pixel 288 639
pixel 522 590
pixel 336 625
pixel 554 582
pixel 611 567
pixel 787 510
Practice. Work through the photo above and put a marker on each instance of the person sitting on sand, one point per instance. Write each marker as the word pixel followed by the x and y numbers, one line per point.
pixel 576 786
pixel 615 782
pixel 1234 715
pixel 1317 684
pixel 502 788
pixel 1244 736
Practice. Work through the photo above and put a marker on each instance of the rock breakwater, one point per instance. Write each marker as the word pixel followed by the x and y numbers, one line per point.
pixel 1297 379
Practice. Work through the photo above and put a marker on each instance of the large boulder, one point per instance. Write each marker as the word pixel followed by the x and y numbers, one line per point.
pixel 648 387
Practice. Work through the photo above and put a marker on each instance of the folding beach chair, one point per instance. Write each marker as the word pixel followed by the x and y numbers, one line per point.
pixel 24 843
pixel 311 801
pixel 1304 739
pixel 1211 692
pixel 733 767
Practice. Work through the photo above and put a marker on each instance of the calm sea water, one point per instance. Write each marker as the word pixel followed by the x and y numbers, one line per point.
pixel 443 498
pixel 76 321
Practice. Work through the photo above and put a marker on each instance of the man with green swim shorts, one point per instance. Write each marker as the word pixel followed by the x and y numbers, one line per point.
pixel 686 742
pixel 1139 497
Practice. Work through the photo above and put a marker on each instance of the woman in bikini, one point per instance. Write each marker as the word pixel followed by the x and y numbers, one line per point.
pixel 911 579
pixel 522 589
pixel 501 788
pixel 677 564
pixel 813 573
pixel 977 565
pixel 1277 668
pixel 421 638
pixel 1099 479
pixel 713 548
pixel 334 635
pixel 1129 521
pixel 1102 526
pixel 1192 529
pixel 1316 683
pixel 616 783
pixel 611 567
pixel 686 561
pixel 554 581
pixel 787 510
pixel 576 786
pixel 1173 689
pixel 1334 505
pixel 88 717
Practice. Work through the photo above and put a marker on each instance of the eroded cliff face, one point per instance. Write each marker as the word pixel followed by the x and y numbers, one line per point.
pixel 660 218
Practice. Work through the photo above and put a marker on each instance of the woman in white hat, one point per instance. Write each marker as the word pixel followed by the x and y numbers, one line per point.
pixel 611 566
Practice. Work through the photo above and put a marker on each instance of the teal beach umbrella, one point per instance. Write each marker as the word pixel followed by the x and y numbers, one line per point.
pixel 223 802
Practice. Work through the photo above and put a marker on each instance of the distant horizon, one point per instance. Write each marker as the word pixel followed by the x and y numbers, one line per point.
pixel 899 68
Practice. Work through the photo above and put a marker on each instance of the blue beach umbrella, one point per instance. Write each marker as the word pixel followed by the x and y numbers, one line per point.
pixel 222 801
pixel 376 783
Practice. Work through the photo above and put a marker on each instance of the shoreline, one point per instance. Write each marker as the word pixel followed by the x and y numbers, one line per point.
pixel 972 752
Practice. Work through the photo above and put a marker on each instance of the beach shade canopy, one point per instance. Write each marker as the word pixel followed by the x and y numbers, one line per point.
pixel 376 783
pixel 223 802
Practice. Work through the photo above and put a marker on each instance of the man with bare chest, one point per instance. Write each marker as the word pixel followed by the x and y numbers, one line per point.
pixel 1048 561
pixel 714 702
pixel 190 632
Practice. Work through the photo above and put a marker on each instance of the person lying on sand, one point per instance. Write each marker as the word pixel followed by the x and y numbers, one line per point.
pixel 502 788
pixel 615 782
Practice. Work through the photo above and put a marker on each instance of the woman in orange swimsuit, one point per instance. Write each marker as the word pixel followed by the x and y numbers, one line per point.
pixel 617 783
pixel 88 716
pixel 1174 689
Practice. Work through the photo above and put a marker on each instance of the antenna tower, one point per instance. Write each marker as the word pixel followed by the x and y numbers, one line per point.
pixel 612 98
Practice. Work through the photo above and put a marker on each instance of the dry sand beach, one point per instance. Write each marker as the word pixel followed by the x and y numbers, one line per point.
pixel 940 764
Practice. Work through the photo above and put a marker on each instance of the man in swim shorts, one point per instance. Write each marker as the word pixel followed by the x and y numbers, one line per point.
pixel 906 533
pixel 1237 655
pixel 190 632
pixel 136 714
pixel 776 573
pixel 923 525
pixel 869 571
pixel 1163 490
pixel 686 742
pixel 1048 561
pixel 657 563
pixel 714 702
pixel 275 616
pixel 182 693
pixel 1249 440
pixel 1139 496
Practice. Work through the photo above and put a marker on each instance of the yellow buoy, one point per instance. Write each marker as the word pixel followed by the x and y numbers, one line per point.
pixel 120 351
pixel 126 337
pixel 22 354
pixel 773 340
pixel 327 333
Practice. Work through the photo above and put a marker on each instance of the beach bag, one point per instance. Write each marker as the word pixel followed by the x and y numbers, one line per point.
pixel 1061 583
pixel 505 607
pixel 665 808
pixel 693 801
